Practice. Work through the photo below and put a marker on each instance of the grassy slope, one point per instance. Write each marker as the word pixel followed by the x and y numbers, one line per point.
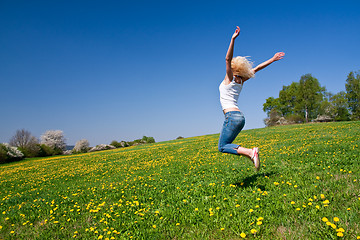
pixel 187 189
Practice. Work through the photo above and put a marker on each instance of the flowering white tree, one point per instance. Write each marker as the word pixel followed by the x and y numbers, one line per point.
pixel 101 147
pixel 81 146
pixel 54 139
pixel 9 153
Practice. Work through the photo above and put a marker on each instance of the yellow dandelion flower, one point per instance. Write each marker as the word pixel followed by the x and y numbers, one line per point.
pixel 154 226
pixel 196 209
pixel 292 202
pixel 336 219
pixel 177 224
pixel 253 231
pixel 251 210
pixel 340 234
pixel 100 237
pixel 243 235
pixel 222 229
pixel 324 219
pixel 333 226
pixel 259 223
pixel 340 230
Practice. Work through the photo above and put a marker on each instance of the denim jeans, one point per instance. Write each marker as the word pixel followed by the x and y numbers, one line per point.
pixel 233 124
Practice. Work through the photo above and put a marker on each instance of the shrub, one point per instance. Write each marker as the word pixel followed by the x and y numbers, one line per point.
pixel 9 153
pixel 81 146
pixel 45 151
pixel 119 144
pixel 274 116
pixel 30 151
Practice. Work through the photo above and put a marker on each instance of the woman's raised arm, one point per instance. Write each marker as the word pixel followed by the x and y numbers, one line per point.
pixel 276 57
pixel 230 53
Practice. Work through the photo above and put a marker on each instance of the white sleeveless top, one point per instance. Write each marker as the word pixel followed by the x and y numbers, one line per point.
pixel 229 94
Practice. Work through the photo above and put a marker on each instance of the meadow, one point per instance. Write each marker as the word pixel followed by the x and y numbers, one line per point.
pixel 308 188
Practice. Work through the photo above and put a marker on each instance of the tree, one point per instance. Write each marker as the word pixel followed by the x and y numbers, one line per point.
pixel 81 146
pixel 339 107
pixel 270 104
pixel 22 139
pixel 353 94
pixel 309 97
pixel 148 139
pixel 54 139
pixel 25 142
pixel 288 99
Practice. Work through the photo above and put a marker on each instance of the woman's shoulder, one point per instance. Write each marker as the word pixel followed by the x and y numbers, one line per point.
pixel 226 80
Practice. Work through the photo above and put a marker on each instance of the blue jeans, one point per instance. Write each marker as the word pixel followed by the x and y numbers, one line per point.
pixel 233 124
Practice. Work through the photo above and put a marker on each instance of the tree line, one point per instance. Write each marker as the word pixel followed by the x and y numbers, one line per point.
pixel 24 145
pixel 307 101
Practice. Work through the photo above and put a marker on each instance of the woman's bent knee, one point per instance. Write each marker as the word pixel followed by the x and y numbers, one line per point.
pixel 221 149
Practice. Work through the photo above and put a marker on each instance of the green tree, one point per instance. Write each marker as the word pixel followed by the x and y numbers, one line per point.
pixel 353 94
pixel 309 97
pixel 270 104
pixel 339 107
pixel 288 99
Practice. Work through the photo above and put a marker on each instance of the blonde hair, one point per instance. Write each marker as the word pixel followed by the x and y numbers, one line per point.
pixel 242 66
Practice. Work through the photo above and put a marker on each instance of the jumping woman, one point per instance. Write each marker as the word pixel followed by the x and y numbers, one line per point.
pixel 238 71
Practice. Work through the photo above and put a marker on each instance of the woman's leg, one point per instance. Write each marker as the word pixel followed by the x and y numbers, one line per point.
pixel 247 152
pixel 233 124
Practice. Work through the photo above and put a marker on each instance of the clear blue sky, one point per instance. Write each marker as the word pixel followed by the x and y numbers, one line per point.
pixel 118 70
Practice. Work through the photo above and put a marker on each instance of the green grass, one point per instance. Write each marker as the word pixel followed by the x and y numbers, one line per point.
pixel 186 189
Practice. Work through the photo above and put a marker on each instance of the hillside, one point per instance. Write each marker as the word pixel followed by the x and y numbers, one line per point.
pixel 308 188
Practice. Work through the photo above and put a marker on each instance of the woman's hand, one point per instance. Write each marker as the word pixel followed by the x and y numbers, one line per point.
pixel 236 33
pixel 278 56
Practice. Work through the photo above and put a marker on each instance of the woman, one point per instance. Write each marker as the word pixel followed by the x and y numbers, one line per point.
pixel 238 71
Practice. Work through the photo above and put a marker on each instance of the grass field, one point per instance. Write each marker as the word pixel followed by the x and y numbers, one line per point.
pixel 308 188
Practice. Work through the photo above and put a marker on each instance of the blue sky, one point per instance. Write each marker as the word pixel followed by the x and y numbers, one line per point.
pixel 119 70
